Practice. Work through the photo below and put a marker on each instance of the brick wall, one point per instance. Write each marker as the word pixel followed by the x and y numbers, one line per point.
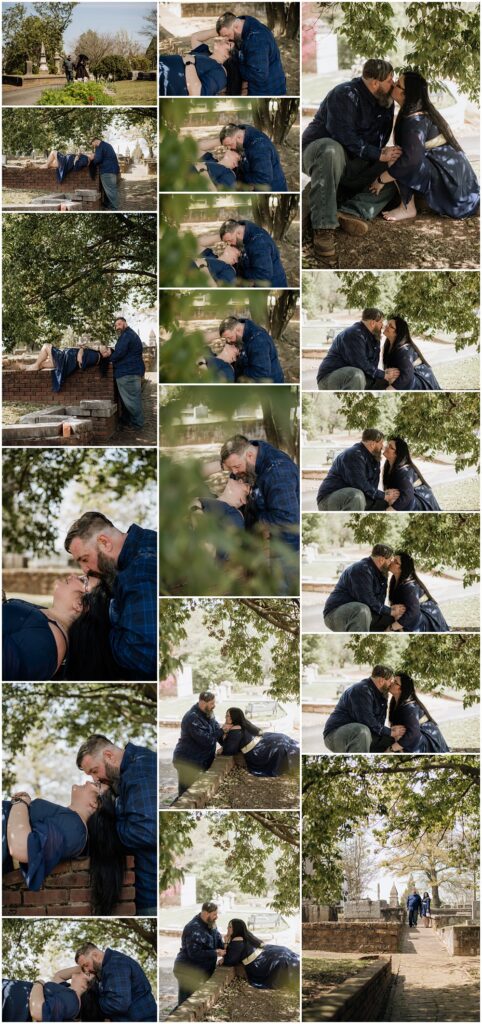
pixel 360 998
pixel 204 999
pixel 461 939
pixel 37 178
pixel 66 892
pixel 23 386
pixel 355 937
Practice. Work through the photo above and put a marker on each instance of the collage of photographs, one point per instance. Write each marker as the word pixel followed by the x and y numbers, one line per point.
pixel 228 793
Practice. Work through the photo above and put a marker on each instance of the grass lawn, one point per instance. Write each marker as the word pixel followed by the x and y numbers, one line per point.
pixel 463 496
pixel 139 93
pixel 463 733
pixel 13 411
pixel 460 375
pixel 320 975
pixel 462 612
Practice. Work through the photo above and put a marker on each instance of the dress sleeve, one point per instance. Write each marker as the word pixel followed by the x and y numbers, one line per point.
pixel 413 145
pixel 45 849
pixel 403 484
pixel 236 952
pixel 409 718
pixel 407 596
pixel 403 363
pixel 233 742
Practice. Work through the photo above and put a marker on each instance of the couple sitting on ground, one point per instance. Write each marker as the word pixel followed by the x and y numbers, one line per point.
pixel 358 722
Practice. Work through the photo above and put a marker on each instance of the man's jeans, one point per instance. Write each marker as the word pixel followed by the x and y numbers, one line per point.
pixel 346 378
pixel 353 617
pixel 350 499
pixel 130 390
pixel 327 164
pixel 412 918
pixel 350 738
pixel 109 184
pixel 146 912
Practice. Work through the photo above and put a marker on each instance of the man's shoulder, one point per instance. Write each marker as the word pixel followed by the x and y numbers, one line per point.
pixel 349 89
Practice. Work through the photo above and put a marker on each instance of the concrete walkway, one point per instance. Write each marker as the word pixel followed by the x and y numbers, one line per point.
pixel 26 96
pixel 429 984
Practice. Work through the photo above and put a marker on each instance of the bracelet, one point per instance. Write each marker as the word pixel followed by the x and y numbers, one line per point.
pixel 20 800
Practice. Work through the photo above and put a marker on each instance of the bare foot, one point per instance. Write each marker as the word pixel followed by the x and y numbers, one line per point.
pixel 401 213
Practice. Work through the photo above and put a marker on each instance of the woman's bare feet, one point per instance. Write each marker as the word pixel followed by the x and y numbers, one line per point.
pixel 408 212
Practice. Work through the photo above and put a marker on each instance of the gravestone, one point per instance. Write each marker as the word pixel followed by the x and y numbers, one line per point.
pixel 43 66
pixel 29 66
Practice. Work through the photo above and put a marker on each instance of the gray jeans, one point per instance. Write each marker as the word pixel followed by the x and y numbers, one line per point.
pixel 353 617
pixel 347 738
pixel 109 184
pixel 346 499
pixel 130 390
pixel 346 378
pixel 325 160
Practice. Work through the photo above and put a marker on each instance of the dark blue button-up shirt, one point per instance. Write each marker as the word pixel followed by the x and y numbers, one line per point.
pixel 199 943
pixel 259 357
pixel 260 60
pixel 277 492
pixel 353 346
pixel 355 467
pixel 261 261
pixel 126 357
pixel 361 703
pixel 136 819
pixel 261 164
pixel 199 735
pixel 351 115
pixel 361 582
pixel 105 159
pixel 133 610
pixel 414 901
pixel 124 990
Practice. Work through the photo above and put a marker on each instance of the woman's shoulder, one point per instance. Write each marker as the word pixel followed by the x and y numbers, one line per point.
pixel 19 613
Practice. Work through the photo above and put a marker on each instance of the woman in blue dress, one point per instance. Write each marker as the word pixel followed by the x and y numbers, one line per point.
pixel 422 735
pixel 225 512
pixel 432 164
pixel 203 71
pixel 425 911
pixel 39 834
pixel 401 353
pixel 221 266
pixel 65 163
pixel 56 1000
pixel 69 639
pixel 422 614
pixel 65 362
pixel 266 966
pixel 401 474
pixel 265 753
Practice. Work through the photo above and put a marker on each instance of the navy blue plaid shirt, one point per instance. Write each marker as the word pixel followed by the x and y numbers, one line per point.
pixel 363 703
pixel 354 467
pixel 277 492
pixel 136 819
pixel 354 118
pixel 133 609
pixel 124 990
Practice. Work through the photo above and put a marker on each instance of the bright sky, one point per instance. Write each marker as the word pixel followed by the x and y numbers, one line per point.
pixel 109 16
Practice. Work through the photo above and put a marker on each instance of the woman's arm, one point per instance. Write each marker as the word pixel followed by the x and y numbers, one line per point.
pixel 409 718
pixel 36 1001
pixel 193 81
pixel 19 828
pixel 66 973
pixel 202 37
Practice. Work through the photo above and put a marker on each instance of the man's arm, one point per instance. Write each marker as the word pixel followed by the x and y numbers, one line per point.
pixel 260 262
pixel 356 475
pixel 115 996
pixel 280 491
pixel 256 64
pixel 259 362
pixel 120 351
pixel 260 164
pixel 137 817
pixel 363 580
pixel 133 632
pixel 363 712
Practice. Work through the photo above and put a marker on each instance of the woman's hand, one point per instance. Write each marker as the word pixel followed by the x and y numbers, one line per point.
pixel 375 187
pixel 22 796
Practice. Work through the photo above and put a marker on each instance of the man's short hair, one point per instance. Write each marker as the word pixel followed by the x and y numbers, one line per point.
pixel 234 446
pixel 206 695
pixel 88 947
pixel 227 324
pixel 120 318
pixel 382 551
pixel 228 131
pixel 382 672
pixel 93 745
pixel 209 906
pixel 225 20
pixel 372 434
pixel 377 69
pixel 85 527
pixel 228 225
pixel 372 313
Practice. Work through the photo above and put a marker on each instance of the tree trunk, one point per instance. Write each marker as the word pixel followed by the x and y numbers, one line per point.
pixel 275 117
pixel 285 440
pixel 283 19
pixel 275 213
pixel 280 314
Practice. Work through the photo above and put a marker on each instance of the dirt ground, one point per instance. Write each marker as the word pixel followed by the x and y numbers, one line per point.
pixel 290 159
pixel 289 353
pixel 243 1002
pixel 290 254
pixel 429 243
pixel 240 789
pixel 319 975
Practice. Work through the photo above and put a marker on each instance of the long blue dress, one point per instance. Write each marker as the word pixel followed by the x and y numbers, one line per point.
pixel 29 648
pixel 414 497
pixel 229 519
pixel 221 272
pixel 423 614
pixel 269 754
pixel 61 1003
pixel 414 375
pixel 266 966
pixel 442 175
pixel 422 736
pixel 68 163
pixel 57 834
pixel 65 363
pixel 172 73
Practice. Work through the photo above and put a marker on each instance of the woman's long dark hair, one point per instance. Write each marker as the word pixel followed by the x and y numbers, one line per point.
pixel 402 337
pixel 89 656
pixel 240 930
pixel 239 718
pixel 403 458
pixel 107 857
pixel 407 575
pixel 89 1003
pixel 416 101
pixel 407 693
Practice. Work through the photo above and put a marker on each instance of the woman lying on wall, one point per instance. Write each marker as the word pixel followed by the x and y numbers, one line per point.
pixel 64 362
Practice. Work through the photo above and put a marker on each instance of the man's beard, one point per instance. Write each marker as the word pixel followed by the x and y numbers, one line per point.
pixel 107 569
pixel 377 334
pixel 240 148
pixel 384 570
pixel 97 970
pixel 112 775
pixel 384 99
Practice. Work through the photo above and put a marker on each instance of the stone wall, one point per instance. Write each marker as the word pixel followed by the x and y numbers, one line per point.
pixel 36 386
pixel 355 937
pixel 31 581
pixel 206 786
pixel 66 892
pixel 360 998
pixel 461 939
pixel 203 1000
pixel 215 433
pixel 92 421
pixel 37 178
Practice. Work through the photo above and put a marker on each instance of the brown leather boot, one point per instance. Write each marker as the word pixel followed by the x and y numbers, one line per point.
pixel 352 225
pixel 324 242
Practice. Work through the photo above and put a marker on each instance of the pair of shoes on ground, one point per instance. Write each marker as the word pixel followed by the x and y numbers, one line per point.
pixel 324 238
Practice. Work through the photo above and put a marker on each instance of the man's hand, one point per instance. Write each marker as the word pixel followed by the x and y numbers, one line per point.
pixel 391 374
pixel 376 186
pixel 397 731
pixel 397 610
pixel 391 495
pixel 389 154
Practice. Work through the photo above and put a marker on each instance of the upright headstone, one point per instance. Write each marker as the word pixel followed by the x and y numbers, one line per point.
pixel 394 896
pixel 58 62
pixel 29 66
pixel 43 66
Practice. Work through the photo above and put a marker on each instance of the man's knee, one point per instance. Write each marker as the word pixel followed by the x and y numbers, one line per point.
pixel 357 501
pixel 362 737
pixel 357 379
pixel 363 619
